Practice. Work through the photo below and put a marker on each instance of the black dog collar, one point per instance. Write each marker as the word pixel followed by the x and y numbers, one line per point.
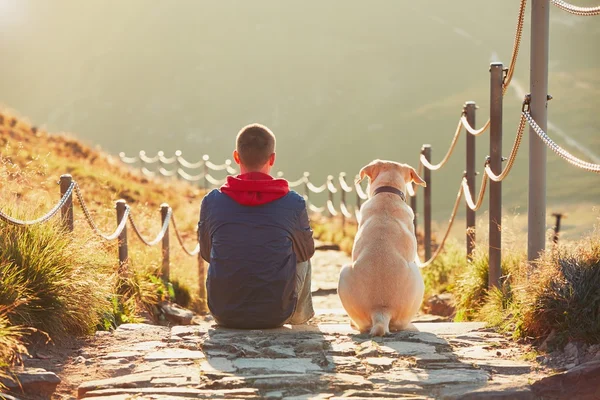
pixel 390 189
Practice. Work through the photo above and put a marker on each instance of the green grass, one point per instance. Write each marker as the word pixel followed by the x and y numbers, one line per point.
pixel 11 343
pixel 559 296
pixel 60 283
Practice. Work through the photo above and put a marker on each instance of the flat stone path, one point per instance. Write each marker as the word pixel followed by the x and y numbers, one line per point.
pixel 326 361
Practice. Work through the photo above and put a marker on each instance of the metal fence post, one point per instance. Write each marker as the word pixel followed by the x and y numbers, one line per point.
pixel 66 212
pixel 495 199
pixel 166 268
pixel 426 150
pixel 121 205
pixel 470 108
pixel 307 190
pixel 329 194
pixel 558 217
pixel 343 201
pixel 536 210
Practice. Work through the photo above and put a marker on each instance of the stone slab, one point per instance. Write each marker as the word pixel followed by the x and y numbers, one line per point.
pixel 297 365
pixel 243 393
pixel 217 364
pixel 175 354
pixel 407 348
pixel 424 377
pixel 33 381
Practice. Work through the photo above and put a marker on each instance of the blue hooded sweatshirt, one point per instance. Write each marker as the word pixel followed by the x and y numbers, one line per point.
pixel 253 232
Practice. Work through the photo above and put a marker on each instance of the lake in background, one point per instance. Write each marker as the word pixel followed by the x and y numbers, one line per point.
pixel 339 82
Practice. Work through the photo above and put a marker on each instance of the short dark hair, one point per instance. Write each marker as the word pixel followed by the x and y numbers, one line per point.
pixel 255 143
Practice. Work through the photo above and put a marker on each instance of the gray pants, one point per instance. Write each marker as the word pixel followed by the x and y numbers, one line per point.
pixel 304 307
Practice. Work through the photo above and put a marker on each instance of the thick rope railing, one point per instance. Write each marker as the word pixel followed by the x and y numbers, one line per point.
pixel 450 223
pixel 92 224
pixel 160 234
pixel 439 165
pixel 18 222
pixel 193 252
pixel 564 154
pixel 511 159
pixel 582 11
pixel 469 197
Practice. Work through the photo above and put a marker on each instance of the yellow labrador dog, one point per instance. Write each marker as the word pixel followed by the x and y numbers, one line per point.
pixel 383 288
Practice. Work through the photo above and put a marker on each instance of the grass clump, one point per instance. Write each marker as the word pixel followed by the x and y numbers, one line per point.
pixel 557 297
pixel 11 344
pixel 56 282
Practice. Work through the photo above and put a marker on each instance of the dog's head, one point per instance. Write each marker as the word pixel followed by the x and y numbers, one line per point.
pixel 390 173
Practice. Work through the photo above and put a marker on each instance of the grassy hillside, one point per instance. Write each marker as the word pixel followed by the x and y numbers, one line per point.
pixel 62 283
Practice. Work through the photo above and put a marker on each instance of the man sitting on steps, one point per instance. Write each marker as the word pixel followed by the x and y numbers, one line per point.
pixel 255 234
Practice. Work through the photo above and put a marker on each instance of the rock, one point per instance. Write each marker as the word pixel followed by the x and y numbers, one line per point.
pixel 170 393
pixel 571 352
pixel 279 351
pixel 407 348
pixel 175 354
pixel 581 383
pixel 500 392
pixel 442 304
pixel 33 381
pixel 176 314
pixel 298 365
pixel 424 377
pixel 122 355
pixel 187 330
pixel 218 365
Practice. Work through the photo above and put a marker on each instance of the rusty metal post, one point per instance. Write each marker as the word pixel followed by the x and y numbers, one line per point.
pixel 166 267
pixel 426 150
pixel 495 197
pixel 470 108
pixel 558 217
pixel 66 212
pixel 121 205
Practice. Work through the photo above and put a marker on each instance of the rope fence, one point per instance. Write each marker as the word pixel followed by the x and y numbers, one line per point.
pixel 68 186
pixel 493 174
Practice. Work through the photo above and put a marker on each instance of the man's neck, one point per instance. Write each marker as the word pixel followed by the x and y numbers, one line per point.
pixel 265 170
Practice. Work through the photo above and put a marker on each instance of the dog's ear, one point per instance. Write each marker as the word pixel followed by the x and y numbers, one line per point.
pixel 414 177
pixel 371 170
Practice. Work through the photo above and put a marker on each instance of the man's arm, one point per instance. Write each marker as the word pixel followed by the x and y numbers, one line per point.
pixel 204 232
pixel 302 237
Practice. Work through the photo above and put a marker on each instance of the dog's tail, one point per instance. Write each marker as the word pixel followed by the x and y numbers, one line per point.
pixel 381 323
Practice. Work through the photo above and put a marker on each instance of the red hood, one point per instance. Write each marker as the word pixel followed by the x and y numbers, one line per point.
pixel 255 188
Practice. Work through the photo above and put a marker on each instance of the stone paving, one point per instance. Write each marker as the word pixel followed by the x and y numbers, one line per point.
pixel 326 361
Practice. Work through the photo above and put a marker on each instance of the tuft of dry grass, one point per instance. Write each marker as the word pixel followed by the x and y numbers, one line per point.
pixel 11 344
pixel 557 297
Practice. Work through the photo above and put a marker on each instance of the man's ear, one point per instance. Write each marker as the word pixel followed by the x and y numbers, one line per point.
pixel 236 157
pixel 416 178
pixel 272 159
